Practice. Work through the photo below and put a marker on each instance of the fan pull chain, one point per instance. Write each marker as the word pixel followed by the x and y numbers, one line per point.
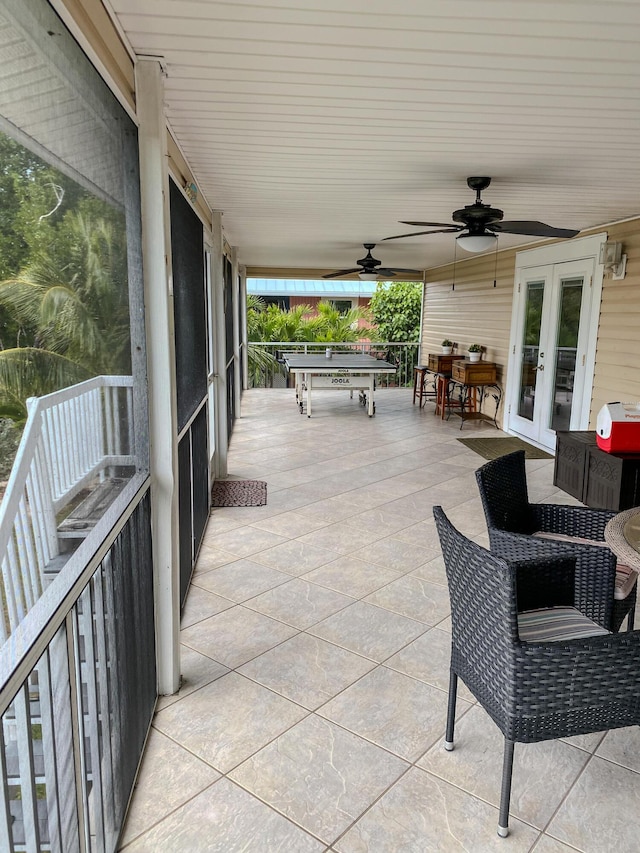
pixel 495 268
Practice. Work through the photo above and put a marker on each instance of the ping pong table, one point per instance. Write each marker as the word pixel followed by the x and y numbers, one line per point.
pixel 351 371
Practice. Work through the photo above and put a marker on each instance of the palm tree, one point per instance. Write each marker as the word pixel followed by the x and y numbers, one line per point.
pixel 72 308
pixel 268 323
pixel 335 326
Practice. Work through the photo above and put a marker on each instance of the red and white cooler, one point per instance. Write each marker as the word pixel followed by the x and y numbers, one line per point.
pixel 618 428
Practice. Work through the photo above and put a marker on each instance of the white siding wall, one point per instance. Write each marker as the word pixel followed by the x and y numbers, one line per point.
pixel 477 312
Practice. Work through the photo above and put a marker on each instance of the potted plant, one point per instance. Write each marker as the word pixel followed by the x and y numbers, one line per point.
pixel 447 346
pixel 475 352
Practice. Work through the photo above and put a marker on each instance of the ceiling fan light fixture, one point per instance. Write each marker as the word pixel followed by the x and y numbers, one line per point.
pixel 368 276
pixel 476 242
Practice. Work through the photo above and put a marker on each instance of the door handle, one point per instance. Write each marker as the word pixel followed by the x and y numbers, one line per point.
pixel 539 367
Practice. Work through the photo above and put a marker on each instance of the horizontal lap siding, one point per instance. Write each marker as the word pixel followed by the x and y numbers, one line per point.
pixel 617 373
pixel 474 311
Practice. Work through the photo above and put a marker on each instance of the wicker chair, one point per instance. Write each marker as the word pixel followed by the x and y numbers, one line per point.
pixel 539 667
pixel 605 591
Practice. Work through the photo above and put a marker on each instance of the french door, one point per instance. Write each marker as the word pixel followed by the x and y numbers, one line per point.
pixel 552 358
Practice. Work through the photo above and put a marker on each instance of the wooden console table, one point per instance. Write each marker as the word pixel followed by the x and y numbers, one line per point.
pixel 471 386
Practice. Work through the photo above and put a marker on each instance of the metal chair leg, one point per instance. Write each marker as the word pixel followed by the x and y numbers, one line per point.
pixel 505 794
pixel 451 710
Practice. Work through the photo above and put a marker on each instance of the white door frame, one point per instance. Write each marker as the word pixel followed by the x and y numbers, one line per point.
pixel 585 248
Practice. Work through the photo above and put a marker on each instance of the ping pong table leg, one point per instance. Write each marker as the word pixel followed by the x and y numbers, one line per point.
pixel 309 383
pixel 372 405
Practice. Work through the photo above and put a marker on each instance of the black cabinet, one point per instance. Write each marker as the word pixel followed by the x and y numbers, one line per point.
pixel 599 479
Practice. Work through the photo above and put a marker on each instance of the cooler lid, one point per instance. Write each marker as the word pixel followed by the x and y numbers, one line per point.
pixel 612 413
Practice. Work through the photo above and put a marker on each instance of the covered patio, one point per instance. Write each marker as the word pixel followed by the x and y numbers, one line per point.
pixel 314 650
pixel 295 699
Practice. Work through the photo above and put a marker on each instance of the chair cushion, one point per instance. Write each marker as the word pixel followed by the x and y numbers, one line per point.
pixel 626 576
pixel 553 624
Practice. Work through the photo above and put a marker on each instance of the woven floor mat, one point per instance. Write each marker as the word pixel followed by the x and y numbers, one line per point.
pixel 239 493
pixel 491 448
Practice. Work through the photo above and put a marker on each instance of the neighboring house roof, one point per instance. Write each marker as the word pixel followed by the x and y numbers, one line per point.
pixel 298 287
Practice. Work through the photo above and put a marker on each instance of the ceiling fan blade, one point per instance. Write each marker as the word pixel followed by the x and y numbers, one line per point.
pixel 385 272
pixel 536 229
pixel 405 269
pixel 417 233
pixel 342 272
pixel 430 224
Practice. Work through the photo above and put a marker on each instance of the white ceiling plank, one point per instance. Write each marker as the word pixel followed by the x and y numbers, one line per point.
pixel 316 125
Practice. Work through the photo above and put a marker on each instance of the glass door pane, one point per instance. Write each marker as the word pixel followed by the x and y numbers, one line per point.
pixel 565 352
pixel 530 348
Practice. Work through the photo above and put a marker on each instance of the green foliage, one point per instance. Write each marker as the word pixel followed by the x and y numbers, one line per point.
pixel 63 295
pixel 475 348
pixel 570 304
pixel 396 310
pixel 31 372
pixel 9 441
pixel 28 194
pixel 533 315
pixel 333 326
pixel 269 323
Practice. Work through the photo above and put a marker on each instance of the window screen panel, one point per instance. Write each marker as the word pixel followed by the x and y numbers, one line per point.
pixel 189 305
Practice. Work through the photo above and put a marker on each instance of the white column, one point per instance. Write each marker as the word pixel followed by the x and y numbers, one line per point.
pixel 237 367
pixel 161 368
pixel 243 327
pixel 220 350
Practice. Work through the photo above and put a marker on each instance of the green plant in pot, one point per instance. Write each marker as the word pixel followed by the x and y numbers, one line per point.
pixel 475 352
pixel 447 346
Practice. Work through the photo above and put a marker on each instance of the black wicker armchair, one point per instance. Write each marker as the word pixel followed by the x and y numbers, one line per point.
pixel 539 667
pixel 518 529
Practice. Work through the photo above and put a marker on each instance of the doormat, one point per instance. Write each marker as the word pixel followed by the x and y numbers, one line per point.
pixel 239 493
pixel 491 448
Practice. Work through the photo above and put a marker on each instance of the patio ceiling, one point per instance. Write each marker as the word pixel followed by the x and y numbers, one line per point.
pixel 315 126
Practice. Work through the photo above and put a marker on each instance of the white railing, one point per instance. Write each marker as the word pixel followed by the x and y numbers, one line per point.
pixel 266 372
pixel 75 701
pixel 70 438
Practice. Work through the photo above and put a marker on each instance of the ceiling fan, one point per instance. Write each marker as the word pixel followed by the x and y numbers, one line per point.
pixel 480 223
pixel 369 268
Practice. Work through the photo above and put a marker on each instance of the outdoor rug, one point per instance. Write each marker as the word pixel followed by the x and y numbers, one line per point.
pixel 239 493
pixel 491 448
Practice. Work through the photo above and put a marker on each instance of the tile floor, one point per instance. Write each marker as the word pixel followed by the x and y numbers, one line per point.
pixel 315 663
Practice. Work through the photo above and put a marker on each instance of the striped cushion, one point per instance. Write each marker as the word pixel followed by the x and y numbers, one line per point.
pixel 626 576
pixel 556 623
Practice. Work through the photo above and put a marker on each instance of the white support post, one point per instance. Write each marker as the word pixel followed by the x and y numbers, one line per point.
pixel 237 367
pixel 243 328
pixel 220 350
pixel 163 429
